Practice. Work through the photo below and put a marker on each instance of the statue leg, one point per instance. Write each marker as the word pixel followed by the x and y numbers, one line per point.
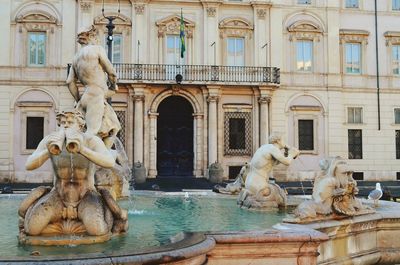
pixel 47 209
pixel 91 213
pixel 94 109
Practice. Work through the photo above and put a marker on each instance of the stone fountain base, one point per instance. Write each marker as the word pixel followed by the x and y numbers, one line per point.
pixel 62 240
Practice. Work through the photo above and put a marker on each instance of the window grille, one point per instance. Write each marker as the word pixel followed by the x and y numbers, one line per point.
pixel 34 131
pixel 121 117
pixel 355 144
pixel 238 140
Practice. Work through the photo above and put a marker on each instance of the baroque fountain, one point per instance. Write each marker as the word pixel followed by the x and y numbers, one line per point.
pixel 252 226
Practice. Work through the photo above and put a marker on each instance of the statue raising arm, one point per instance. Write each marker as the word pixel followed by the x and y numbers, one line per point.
pixel 49 145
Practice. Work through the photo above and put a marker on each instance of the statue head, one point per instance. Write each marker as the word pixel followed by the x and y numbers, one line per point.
pixel 340 170
pixel 276 138
pixel 87 36
pixel 71 119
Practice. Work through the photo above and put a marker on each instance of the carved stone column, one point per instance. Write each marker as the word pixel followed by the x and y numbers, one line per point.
pixel 198 148
pixel 264 113
pixel 212 129
pixel 153 144
pixel 138 98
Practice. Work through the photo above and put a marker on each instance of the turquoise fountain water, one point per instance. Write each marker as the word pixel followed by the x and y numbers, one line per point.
pixel 153 220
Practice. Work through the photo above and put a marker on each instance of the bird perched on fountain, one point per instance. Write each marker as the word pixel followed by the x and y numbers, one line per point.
pixel 376 194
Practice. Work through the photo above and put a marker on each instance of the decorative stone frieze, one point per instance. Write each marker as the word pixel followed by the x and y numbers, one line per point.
pixel 171 25
pixel 235 27
pixel 261 13
pixel 86 6
pixel 304 30
pixel 211 11
pixel 392 37
pixel 138 97
pixel 264 100
pixel 122 23
pixel 139 9
pixel 347 35
pixel 212 98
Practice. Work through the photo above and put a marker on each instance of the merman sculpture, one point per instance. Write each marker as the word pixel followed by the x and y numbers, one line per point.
pixel 73 205
pixel 334 195
pixel 259 193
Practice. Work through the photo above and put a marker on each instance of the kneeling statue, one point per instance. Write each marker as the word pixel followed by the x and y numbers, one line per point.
pixel 73 206
pixel 259 193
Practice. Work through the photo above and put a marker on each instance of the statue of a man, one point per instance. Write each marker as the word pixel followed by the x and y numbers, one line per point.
pixel 261 165
pixel 74 155
pixel 93 69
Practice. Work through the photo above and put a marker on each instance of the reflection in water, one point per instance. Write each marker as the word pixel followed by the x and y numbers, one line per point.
pixel 152 221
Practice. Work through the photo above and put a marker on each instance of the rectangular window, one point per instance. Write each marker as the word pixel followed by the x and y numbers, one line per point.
pixel 37 48
pixel 396 59
pixel 353 58
pixel 395 4
pixel 358 175
pixel 173 46
pixel 306 135
pixel 304 55
pixel 116 48
pixel 355 144
pixel 397 116
pixel 354 115
pixel 304 2
pixel 235 51
pixel 234 171
pixel 397 144
pixel 34 131
pixel 238 133
pixel 351 3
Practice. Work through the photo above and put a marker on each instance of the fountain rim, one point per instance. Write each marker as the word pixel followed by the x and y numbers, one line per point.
pixel 192 245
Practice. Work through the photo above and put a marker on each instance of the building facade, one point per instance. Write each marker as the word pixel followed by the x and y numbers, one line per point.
pixel 324 74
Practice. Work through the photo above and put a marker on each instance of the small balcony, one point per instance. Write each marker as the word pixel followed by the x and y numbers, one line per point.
pixel 197 74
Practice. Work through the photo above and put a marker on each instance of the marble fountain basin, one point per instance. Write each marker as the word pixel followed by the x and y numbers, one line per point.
pixel 209 228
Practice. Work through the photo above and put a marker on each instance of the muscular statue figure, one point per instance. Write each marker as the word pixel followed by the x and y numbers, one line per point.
pixel 74 198
pixel 333 193
pixel 262 193
pixel 93 69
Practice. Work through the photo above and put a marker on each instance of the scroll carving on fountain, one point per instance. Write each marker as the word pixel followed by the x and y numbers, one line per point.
pixel 75 211
pixel 333 197
pixel 258 193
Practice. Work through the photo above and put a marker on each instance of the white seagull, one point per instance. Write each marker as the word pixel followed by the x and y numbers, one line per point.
pixel 376 194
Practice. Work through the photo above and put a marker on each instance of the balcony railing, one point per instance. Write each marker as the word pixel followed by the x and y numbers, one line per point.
pixel 198 73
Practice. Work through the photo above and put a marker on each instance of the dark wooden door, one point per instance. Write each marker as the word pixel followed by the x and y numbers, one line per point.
pixel 175 137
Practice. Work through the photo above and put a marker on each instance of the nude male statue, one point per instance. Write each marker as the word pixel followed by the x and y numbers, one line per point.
pixel 261 165
pixel 263 161
pixel 93 69
pixel 74 156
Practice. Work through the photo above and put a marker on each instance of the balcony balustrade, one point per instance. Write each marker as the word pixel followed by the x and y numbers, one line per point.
pixel 166 73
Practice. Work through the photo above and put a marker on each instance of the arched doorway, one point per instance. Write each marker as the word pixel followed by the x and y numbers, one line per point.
pixel 175 137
